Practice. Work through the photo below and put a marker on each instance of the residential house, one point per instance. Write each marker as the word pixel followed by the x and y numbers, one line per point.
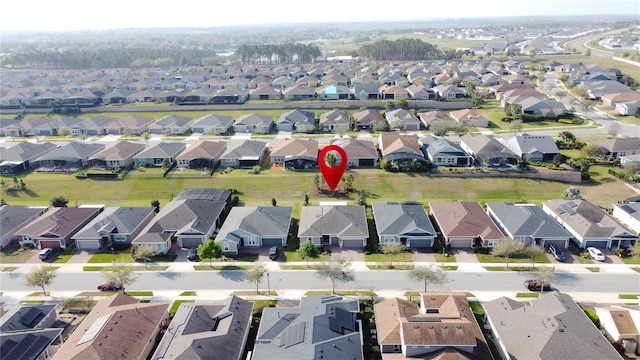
pixel 532 147
pixel 23 317
pixel 335 121
pixel 211 329
pixel 253 123
pixel 97 125
pixel 299 92
pixel 333 92
pixel 393 92
pixel 129 125
pixel 202 95
pixel 627 108
pixel 433 116
pixel 55 228
pixel 536 106
pixel 115 226
pixel 321 327
pixel 342 225
pixel 443 152
pixel 9 126
pixel 171 125
pixel 297 121
pixel 365 91
pixel 589 225
pixel 265 93
pixel 212 124
pixel 596 89
pixel 449 92
pixel 255 226
pixel 421 92
pixel 162 154
pixel 116 97
pixel 146 95
pixel 400 148
pixel 117 156
pixel 406 223
pixel 551 327
pixel 191 218
pixel 281 82
pixel 295 153
pixel 528 224
pixel 465 224
pixel 202 155
pixel 628 213
pixel 441 327
pixel 468 117
pixel 70 157
pixel 335 79
pixel 230 95
pixel 118 326
pixel 621 325
pixel 31 345
pixel 366 119
pixel 488 151
pixel 18 158
pixel 619 147
pixel 616 98
pixel 360 153
pixel 244 154
pixel 14 217
pixel 402 119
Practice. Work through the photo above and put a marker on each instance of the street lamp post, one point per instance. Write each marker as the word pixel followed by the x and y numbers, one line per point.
pixel 444 252
pixel 113 256
pixel 268 285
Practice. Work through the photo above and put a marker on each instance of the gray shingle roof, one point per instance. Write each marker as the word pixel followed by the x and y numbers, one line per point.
pixel 114 220
pixel 527 220
pixel 248 149
pixel 402 219
pixel 340 220
pixel 25 151
pixel 14 216
pixel 552 327
pixel 162 150
pixel 74 150
pixel 263 221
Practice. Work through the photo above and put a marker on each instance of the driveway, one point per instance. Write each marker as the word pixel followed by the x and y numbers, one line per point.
pixel 465 255
pixel 423 255
pixel 354 255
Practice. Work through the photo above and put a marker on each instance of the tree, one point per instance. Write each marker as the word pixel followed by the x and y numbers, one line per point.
pixel 392 249
pixel 165 163
pixel 631 169
pixel 567 137
pixel 546 275
pixel 331 159
pixel 614 128
pixel 533 252
pixel 274 202
pixel 572 193
pixel 146 136
pixel 145 253
pixel 64 132
pixel 430 274
pixel 586 106
pixel 516 126
pixel 590 151
pixel 306 199
pixel 209 250
pixel 316 181
pixel 508 247
pixel 122 274
pixel 362 198
pixel 337 270
pixel 308 250
pixel 635 251
pixel 155 204
pixel 558 159
pixel 255 275
pixel 40 277
pixel 348 182
pixel 59 201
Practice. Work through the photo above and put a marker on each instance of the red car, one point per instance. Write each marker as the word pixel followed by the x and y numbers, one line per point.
pixel 109 286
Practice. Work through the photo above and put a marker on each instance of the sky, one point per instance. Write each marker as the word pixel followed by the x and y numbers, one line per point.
pixel 65 15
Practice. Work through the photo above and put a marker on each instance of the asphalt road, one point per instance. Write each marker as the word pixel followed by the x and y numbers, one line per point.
pixel 307 280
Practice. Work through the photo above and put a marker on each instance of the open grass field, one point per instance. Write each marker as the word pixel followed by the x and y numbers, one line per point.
pixel 290 187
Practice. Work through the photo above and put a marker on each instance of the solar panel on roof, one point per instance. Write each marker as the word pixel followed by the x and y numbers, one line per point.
pixel 31 317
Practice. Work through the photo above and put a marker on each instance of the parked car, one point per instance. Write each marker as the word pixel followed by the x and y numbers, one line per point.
pixel 556 252
pixel 535 285
pixel 273 252
pixel 110 286
pixel 596 254
pixel 46 254
pixel 192 255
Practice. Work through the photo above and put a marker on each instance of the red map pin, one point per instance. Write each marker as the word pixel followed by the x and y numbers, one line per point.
pixel 332 175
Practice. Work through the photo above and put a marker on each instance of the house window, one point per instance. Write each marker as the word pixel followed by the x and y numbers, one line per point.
pixel 27 238
pixel 251 241
pixel 396 348
pixel 225 247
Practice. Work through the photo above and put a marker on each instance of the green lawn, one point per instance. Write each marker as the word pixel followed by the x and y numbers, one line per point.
pixel 188 293
pixel 382 258
pixel 632 260
pixel 528 295
pixel 387 267
pixel 176 304
pixel 592 268
pixel 140 293
pixel 342 293
pixel 106 256
pixel 64 256
pixel 450 258
pixel 14 256
pixel 8 269
pixel 289 188
pixel 628 296
pixel 488 258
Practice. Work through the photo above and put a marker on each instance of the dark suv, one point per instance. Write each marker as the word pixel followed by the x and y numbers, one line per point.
pixel 556 252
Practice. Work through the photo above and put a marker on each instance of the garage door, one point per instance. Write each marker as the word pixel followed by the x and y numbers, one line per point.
pixel 191 243
pixel 600 244
pixel 461 243
pixel 562 244
pixel 420 243
pixel 88 244
pixel 367 162
pixel 49 244
pixel 352 244
pixel 271 242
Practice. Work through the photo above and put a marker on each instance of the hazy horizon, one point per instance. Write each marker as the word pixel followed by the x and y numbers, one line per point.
pixel 68 15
